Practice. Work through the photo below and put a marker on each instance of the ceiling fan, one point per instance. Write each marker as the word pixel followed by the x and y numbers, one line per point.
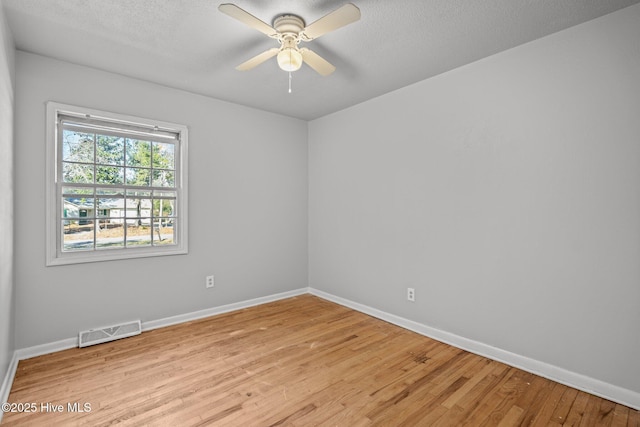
pixel 290 30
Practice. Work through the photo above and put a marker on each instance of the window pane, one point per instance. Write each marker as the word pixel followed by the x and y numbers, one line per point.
pixel 110 191
pixel 69 210
pixel 139 193
pixel 110 208
pixel 163 207
pixel 139 234
pixel 109 235
pixel 77 147
pixel 137 176
pixel 77 172
pixel 163 178
pixel 73 207
pixel 165 193
pixel 163 155
pixel 110 150
pixel 138 153
pixel 138 208
pixel 109 175
pixel 67 191
pixel 163 231
pixel 77 236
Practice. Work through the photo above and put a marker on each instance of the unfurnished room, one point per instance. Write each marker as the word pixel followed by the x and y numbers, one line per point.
pixel 320 213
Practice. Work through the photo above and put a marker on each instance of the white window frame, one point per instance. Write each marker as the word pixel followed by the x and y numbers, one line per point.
pixel 54 253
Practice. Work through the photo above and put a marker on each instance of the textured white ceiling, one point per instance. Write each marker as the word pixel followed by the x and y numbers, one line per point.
pixel 190 45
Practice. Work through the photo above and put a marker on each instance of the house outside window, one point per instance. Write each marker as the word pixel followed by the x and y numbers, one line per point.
pixel 116 186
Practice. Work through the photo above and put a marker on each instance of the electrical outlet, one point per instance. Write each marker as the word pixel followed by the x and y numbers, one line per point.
pixel 411 294
pixel 208 282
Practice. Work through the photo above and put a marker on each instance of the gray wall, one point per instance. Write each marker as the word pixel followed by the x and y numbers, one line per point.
pixel 506 192
pixel 247 208
pixel 7 52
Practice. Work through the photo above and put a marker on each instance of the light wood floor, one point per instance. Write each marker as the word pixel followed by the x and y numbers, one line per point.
pixel 302 361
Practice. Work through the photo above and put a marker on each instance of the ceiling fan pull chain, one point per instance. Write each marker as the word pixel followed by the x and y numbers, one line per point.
pixel 289 81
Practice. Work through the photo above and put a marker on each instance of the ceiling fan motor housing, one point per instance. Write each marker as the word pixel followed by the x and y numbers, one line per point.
pixel 289 24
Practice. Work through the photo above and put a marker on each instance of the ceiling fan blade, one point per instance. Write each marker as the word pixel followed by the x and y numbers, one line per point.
pixel 246 18
pixel 318 63
pixel 338 18
pixel 258 59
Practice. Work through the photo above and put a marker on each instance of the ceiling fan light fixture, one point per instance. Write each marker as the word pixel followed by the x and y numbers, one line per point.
pixel 289 59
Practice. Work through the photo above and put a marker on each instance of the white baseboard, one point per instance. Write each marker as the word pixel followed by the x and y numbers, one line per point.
pixel 181 318
pixel 8 381
pixel 67 343
pixel 52 347
pixel 572 379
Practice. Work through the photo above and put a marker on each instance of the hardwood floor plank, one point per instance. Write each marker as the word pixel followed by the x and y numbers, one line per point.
pixel 564 405
pixel 620 416
pixel 590 416
pixel 606 413
pixel 472 381
pixel 531 401
pixel 475 396
pixel 633 419
pixel 499 400
pixel 545 413
pixel 574 417
pixel 295 362
pixel 512 417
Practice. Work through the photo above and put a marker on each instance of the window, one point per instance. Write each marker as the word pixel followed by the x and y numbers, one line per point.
pixel 116 186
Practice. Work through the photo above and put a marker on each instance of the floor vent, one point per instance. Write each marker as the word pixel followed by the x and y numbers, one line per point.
pixel 111 333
